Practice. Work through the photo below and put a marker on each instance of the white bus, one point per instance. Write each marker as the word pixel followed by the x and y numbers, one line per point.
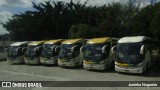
pixel 70 54
pixel 97 53
pixel 50 51
pixel 135 54
pixel 16 51
pixel 33 52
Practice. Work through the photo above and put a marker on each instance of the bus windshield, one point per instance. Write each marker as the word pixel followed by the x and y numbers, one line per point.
pixel 93 52
pixel 13 51
pixel 30 51
pixel 47 51
pixel 66 51
pixel 31 47
pixel 129 53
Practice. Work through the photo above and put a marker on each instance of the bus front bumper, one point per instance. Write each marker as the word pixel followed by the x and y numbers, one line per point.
pixel 71 63
pixel 94 66
pixel 129 70
pixel 16 60
pixel 48 61
pixel 32 61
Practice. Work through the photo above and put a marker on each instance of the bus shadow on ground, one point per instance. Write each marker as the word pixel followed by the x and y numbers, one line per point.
pixel 73 68
pixel 17 64
pixel 154 71
pixel 3 59
pixel 49 65
pixel 34 64
pixel 110 70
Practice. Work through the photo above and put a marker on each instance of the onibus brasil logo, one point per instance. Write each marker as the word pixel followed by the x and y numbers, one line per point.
pixel 20 84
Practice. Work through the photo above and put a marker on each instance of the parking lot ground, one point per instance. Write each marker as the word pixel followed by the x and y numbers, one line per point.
pixel 80 74
pixel 41 72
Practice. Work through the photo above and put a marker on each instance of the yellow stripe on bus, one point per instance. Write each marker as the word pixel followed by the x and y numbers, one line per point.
pixel 88 62
pixel 120 64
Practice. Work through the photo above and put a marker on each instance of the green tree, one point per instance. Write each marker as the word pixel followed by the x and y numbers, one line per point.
pixel 83 31
pixel 111 23
pixel 155 26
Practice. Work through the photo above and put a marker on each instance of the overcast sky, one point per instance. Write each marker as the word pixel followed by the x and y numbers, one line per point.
pixel 10 7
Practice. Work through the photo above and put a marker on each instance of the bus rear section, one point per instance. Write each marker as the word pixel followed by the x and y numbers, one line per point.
pixel 135 54
pixel 33 52
pixel 15 52
pixel 50 51
pixel 97 55
pixel 70 54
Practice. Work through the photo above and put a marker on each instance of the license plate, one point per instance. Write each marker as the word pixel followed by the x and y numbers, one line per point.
pixel 46 62
pixel 91 67
pixel 126 70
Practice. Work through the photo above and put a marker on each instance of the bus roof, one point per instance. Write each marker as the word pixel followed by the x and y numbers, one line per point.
pixel 71 41
pixel 19 43
pixel 132 39
pixel 54 41
pixel 98 40
pixel 36 43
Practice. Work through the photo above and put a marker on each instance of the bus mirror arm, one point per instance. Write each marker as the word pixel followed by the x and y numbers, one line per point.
pixel 6 49
pixel 52 48
pixel 24 49
pixel 17 49
pixel 36 49
pixel 81 49
pixel 103 49
pixel 57 48
pixel 113 49
pixel 142 49
pixel 72 49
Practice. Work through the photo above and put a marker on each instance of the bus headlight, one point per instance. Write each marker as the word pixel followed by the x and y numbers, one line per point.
pixel 139 65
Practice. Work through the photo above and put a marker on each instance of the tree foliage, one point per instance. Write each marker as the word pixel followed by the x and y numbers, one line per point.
pixel 53 20
pixel 83 31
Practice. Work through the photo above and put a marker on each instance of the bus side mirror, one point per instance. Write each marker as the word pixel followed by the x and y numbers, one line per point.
pixel 142 49
pixel 36 49
pixel 52 48
pixel 57 49
pixel 17 49
pixel 24 49
pixel 113 50
pixel 6 49
pixel 39 48
pixel 73 48
pixel 81 49
pixel 104 49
